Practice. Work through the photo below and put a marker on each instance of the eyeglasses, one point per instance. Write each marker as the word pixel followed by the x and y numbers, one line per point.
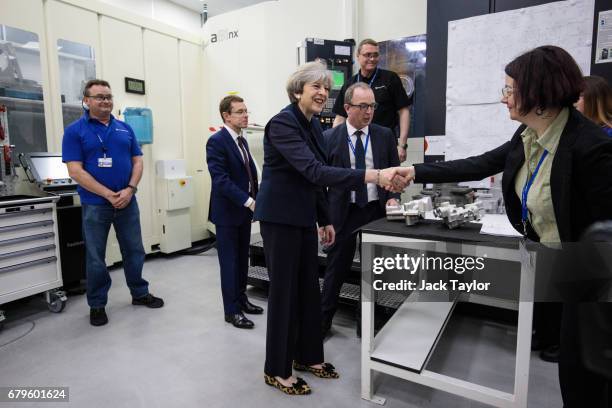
pixel 507 91
pixel 101 98
pixel 371 55
pixel 240 112
pixel 364 106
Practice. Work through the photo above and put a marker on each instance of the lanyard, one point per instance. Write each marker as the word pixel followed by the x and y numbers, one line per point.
pixel 528 183
pixel 365 147
pixel 371 80
pixel 106 133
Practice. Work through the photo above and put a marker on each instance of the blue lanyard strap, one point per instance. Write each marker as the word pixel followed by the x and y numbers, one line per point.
pixel 528 183
pixel 365 146
pixel 106 133
pixel 371 80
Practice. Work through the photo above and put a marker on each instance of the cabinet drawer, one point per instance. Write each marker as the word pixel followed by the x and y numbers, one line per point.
pixel 19 244
pixel 23 276
pixel 25 230
pixel 25 217
pixel 26 255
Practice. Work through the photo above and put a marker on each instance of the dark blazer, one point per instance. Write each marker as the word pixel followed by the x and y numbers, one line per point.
pixel 230 181
pixel 295 172
pixel 580 180
pixel 384 152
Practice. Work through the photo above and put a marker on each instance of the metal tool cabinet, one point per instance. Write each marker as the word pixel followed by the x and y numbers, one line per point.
pixel 29 250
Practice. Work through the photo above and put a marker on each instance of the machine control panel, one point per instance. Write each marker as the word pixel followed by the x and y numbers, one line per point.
pixel 48 171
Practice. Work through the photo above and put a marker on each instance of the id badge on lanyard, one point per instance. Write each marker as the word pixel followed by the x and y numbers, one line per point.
pixel 106 162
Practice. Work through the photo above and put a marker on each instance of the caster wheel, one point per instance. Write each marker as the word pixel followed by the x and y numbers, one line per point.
pixel 56 306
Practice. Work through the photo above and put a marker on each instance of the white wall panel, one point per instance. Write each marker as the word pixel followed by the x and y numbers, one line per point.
pixel 164 94
pixel 194 135
pixel 389 19
pixel 122 56
pixel 23 14
pixel 163 97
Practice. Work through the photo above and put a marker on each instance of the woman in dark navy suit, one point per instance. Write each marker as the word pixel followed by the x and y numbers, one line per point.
pixel 290 204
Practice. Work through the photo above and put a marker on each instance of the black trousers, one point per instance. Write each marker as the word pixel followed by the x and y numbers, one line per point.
pixel 294 313
pixel 233 249
pixel 340 257
pixel 580 386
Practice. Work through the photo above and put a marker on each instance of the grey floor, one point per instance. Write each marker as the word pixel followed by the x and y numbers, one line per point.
pixel 185 355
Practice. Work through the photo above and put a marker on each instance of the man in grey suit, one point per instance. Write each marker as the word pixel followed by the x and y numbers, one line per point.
pixel 357 144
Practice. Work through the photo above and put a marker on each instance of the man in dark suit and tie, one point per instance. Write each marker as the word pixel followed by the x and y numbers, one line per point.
pixel 357 144
pixel 232 203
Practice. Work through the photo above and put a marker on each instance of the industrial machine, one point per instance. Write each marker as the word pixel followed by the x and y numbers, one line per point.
pixel 51 177
pixel 28 233
pixel 338 57
pixel 29 256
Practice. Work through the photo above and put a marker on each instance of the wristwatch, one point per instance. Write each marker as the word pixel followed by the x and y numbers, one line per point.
pixel 133 188
pixel 404 146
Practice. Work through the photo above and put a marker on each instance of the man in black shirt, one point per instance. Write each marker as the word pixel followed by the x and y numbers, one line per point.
pixel 393 103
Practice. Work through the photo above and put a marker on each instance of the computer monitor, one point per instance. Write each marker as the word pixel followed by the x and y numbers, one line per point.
pixel 48 169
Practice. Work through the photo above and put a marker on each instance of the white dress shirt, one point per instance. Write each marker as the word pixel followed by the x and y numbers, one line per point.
pixel 369 158
pixel 235 136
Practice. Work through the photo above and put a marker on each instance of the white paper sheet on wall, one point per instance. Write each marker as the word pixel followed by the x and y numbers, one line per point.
pixel 436 145
pixel 479 48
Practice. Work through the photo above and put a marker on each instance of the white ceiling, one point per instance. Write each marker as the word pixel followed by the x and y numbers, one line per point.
pixel 216 7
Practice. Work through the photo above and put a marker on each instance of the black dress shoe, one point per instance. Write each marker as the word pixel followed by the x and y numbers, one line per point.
pixel 148 300
pixel 248 307
pixel 239 321
pixel 550 354
pixel 97 316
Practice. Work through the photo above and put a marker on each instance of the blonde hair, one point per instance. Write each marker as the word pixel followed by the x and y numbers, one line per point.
pixel 315 71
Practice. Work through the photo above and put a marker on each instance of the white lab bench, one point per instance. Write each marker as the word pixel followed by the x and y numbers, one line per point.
pixel 407 342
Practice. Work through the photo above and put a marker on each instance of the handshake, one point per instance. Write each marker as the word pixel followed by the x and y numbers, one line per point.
pixel 395 179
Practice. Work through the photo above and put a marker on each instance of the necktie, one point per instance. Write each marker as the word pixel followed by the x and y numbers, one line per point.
pixel 245 156
pixel 361 194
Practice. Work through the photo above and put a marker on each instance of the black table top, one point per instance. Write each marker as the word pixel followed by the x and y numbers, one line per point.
pixel 435 230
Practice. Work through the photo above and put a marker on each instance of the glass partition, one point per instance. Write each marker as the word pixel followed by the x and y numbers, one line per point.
pixel 21 94
pixel 77 65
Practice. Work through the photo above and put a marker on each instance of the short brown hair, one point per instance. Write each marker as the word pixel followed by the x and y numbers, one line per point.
pixel 226 104
pixel 93 82
pixel 348 95
pixel 545 77
pixel 367 41
pixel 597 96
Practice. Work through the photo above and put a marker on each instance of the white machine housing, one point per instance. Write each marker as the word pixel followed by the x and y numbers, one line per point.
pixel 174 200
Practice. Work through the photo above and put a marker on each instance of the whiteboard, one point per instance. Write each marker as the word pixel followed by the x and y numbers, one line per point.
pixel 478 50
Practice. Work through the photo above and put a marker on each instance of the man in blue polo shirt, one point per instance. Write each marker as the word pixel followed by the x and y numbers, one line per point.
pixel 104 158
